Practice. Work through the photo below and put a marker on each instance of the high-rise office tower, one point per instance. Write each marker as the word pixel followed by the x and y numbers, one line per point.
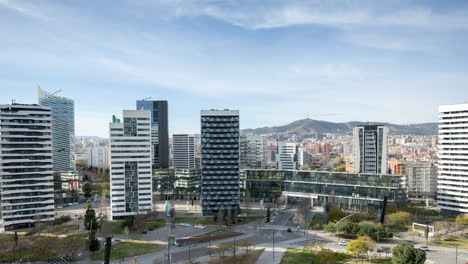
pixel 304 158
pixel 159 131
pixel 130 164
pixel 220 160
pixel 287 156
pixel 370 149
pixel 452 181
pixel 421 179
pixel 26 172
pixel 63 129
pixel 183 151
pixel 98 157
pixel 252 152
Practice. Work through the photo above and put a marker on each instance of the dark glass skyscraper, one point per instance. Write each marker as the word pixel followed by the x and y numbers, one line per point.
pixel 220 160
pixel 63 129
pixel 159 131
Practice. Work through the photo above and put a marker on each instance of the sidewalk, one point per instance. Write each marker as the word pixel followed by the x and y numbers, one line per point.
pixel 274 257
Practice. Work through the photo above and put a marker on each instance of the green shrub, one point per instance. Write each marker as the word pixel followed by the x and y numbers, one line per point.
pixel 331 227
pixel 317 222
pixel 335 214
pixel 61 220
pixel 329 256
pixel 350 228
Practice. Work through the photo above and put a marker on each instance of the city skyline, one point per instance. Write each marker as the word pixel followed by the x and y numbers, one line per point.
pixel 336 61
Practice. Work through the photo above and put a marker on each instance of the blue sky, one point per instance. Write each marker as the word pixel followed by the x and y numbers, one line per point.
pixel 275 61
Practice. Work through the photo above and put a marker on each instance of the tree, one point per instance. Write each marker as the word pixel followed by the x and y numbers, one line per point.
pixel 357 248
pixel 399 218
pixel 139 223
pixel 94 244
pixel 90 221
pixel 220 217
pixel 247 202
pixel 335 214
pixel 405 253
pixel 87 190
pixel 221 249
pixel 369 242
pixel 246 245
pixel 126 231
pixel 426 233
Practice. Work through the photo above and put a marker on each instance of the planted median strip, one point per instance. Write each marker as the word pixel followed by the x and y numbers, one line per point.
pixel 209 236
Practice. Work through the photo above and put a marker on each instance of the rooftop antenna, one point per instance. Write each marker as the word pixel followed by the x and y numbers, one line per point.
pixel 147 98
pixel 56 92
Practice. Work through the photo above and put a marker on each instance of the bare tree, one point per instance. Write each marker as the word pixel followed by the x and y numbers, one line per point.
pixel 247 202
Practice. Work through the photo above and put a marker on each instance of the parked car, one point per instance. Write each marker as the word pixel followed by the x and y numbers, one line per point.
pixel 199 226
pixel 424 248
pixel 289 229
pixel 343 243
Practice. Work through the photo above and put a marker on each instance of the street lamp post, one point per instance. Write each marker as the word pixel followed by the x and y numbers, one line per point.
pixel 189 256
pixel 456 254
pixel 235 260
pixel 273 246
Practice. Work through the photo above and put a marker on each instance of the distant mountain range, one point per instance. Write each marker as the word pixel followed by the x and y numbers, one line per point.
pixel 309 128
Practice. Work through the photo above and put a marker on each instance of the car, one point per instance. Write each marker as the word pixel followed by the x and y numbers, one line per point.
pixel 343 243
pixel 199 226
pixel 289 229
pixel 424 248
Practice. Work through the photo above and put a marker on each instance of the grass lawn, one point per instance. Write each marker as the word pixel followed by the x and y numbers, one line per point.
pixel 129 248
pixel 208 220
pixel 297 256
pixel 462 242
pixel 248 219
pixel 155 224
pixel 243 258
pixel 117 229
pixel 60 229
pixel 218 232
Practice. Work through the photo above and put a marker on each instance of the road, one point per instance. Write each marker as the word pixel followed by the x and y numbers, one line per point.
pixel 262 235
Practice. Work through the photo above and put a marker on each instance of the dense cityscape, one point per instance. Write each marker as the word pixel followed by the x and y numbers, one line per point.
pixel 225 132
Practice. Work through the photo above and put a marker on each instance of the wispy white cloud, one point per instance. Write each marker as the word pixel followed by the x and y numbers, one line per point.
pixel 24 9
pixel 250 15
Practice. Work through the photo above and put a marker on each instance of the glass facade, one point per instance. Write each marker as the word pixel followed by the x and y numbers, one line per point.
pixel 159 131
pixel 63 129
pixel 131 186
pixel 176 183
pixel 348 190
pixel 220 160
